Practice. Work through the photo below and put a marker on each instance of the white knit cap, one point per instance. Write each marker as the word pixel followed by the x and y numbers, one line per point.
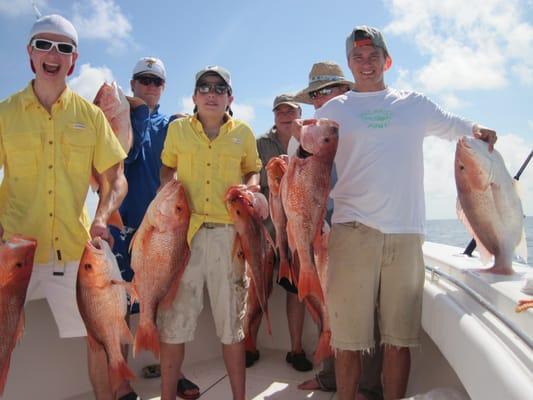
pixel 54 24
pixel 150 65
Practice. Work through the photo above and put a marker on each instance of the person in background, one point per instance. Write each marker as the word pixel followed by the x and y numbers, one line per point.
pixel 376 237
pixel 51 141
pixel 209 151
pixel 273 144
pixel 141 169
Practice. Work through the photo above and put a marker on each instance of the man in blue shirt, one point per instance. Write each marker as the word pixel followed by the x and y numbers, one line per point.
pixel 141 169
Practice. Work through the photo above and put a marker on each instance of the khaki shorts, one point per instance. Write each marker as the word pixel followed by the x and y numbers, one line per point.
pixel 210 263
pixel 365 264
pixel 60 292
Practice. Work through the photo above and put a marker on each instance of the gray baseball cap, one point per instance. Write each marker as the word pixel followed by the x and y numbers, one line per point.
pixel 365 36
pixel 284 99
pixel 222 72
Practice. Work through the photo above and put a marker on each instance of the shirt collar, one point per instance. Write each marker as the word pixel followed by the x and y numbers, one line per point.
pixel 29 98
pixel 226 127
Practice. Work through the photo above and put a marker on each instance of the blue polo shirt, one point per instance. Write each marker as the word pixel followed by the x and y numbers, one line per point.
pixel 143 164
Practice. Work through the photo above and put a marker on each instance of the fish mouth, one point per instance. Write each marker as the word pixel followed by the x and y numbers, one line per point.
pixel 96 245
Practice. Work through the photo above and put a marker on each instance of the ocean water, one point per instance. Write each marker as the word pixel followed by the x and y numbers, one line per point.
pixel 453 232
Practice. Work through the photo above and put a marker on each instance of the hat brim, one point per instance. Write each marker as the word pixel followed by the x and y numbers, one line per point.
pixel 292 104
pixel 150 72
pixel 213 73
pixel 303 95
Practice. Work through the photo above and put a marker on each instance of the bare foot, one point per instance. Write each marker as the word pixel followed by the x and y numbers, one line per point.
pixel 310 384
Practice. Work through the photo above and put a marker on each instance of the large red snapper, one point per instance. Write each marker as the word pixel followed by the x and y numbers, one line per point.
pixel 305 189
pixel 248 210
pixel 102 301
pixel 489 203
pixel 16 265
pixel 159 255
pixel 276 168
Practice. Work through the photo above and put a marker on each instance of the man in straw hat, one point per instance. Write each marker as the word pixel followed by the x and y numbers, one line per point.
pixel 50 141
pixel 327 81
pixel 378 221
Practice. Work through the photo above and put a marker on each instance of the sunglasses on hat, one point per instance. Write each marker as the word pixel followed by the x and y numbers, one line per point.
pixel 322 92
pixel 147 80
pixel 47 45
pixel 218 88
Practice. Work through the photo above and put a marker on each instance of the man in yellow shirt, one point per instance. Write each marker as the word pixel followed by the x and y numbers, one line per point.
pixel 210 151
pixel 51 141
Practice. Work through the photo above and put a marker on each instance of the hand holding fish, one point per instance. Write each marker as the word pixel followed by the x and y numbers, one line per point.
pixel 99 229
pixel 135 101
pixel 485 134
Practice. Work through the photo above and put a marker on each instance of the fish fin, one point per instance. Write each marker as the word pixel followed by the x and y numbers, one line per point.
pixel 146 338
pixel 130 288
pixel 312 309
pixel 3 371
pixel 521 247
pixel 125 334
pixel 20 327
pixel 323 348
pixel 166 302
pixel 116 220
pixel 119 372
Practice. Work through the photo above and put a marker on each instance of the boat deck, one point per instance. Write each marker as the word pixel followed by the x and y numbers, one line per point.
pixel 270 378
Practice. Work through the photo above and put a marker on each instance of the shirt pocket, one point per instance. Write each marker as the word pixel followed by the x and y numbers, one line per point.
pixel 23 152
pixel 78 150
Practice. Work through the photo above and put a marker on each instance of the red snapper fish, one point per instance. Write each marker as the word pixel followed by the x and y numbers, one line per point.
pixel 248 210
pixel 276 168
pixel 116 108
pixel 102 301
pixel 159 255
pixel 16 265
pixel 488 204
pixel 305 188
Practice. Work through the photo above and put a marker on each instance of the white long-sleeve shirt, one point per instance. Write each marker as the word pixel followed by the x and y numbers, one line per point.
pixel 379 159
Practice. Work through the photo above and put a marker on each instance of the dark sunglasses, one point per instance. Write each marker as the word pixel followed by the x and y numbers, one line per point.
pixel 47 45
pixel 147 80
pixel 322 92
pixel 218 88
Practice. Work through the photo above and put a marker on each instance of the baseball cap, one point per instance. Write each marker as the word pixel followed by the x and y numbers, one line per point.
pixel 150 65
pixel 366 36
pixel 284 99
pixel 222 72
pixel 54 24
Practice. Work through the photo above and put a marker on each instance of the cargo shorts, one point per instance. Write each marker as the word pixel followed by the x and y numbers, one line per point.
pixel 367 267
pixel 211 263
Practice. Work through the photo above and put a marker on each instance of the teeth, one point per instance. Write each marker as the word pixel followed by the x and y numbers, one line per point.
pixel 51 67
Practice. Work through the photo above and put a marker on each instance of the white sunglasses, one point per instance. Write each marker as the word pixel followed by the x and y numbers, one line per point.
pixel 47 45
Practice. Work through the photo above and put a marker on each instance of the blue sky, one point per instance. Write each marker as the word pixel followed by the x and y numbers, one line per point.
pixel 474 58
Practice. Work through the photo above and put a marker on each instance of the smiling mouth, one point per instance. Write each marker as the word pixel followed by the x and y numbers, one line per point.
pixel 51 68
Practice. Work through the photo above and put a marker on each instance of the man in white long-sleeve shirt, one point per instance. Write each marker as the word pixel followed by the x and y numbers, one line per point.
pixel 375 253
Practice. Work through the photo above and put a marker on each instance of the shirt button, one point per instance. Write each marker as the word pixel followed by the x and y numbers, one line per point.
pixel 207 199
pixel 207 182
pixel 209 146
pixel 208 164
pixel 50 166
pixel 49 192
pixel 56 239
pixel 50 142
pixel 50 214
pixel 49 118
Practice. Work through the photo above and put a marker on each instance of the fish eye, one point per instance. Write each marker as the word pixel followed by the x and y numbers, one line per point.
pixel 88 266
pixel 178 208
pixel 238 212
pixel 461 167
pixel 326 140
pixel 18 265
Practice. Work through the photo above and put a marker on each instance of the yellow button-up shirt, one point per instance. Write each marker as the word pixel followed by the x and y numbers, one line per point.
pixel 47 161
pixel 207 168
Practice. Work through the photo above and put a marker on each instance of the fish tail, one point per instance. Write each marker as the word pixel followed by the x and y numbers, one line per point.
pixel 119 372
pixel 309 284
pixel 323 348
pixel 146 338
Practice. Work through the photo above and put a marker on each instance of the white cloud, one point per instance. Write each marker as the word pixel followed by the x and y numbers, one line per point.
pixel 530 123
pixel 439 176
pixel 471 44
pixel 89 80
pixel 243 112
pixel 102 19
pixel 15 8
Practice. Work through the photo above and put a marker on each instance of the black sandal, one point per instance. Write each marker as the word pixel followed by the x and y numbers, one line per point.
pixel 185 385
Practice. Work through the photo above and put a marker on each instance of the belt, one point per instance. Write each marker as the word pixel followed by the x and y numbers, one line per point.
pixel 213 225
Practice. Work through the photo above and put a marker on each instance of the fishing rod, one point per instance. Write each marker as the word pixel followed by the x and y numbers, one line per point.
pixel 472 245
